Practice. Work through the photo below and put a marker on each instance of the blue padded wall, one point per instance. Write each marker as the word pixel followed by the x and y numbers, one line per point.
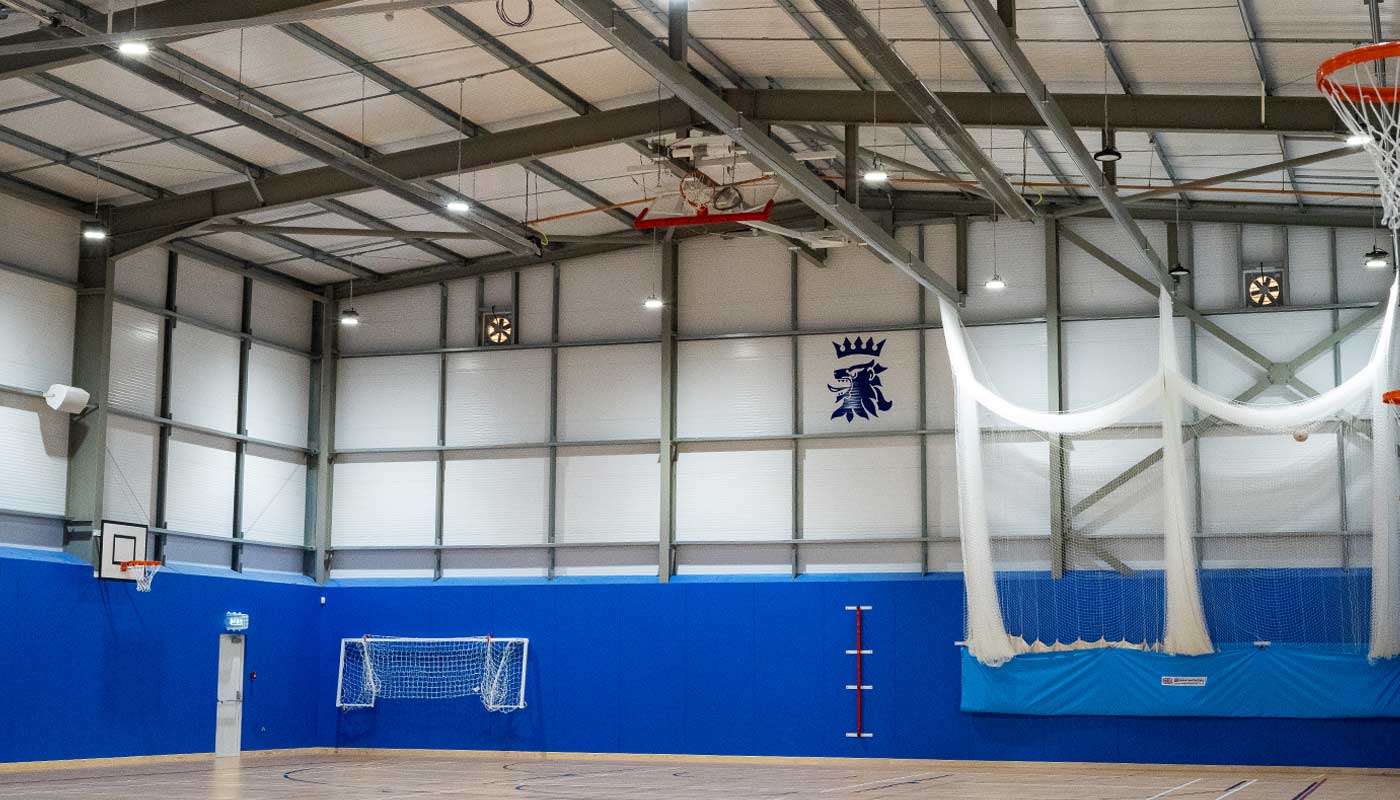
pixel 754 666
pixel 93 669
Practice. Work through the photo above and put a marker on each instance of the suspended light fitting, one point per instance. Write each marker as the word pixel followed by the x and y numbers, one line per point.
pixel 653 303
pixel 1178 271
pixel 996 284
pixel 1358 139
pixel 349 317
pixel 94 232
pixel 134 49
pixel 1377 258
pixel 458 206
pixel 876 173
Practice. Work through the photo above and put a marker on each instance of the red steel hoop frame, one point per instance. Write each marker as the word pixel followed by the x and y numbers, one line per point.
pixel 702 217
pixel 1360 55
pixel 125 565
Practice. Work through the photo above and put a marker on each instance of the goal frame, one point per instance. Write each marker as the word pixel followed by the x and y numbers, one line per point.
pixel 487 640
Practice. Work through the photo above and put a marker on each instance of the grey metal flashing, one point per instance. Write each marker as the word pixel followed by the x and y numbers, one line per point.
pixel 927 106
pixel 167 313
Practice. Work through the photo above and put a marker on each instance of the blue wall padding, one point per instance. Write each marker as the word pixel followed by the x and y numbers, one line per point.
pixel 1236 681
pixel 731 666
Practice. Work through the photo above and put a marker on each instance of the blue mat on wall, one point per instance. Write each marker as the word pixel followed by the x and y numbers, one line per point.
pixel 1298 681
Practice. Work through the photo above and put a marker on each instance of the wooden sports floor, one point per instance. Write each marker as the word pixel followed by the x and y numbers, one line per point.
pixel 275 776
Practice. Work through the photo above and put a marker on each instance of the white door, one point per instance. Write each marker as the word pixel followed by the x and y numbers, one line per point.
pixel 228 725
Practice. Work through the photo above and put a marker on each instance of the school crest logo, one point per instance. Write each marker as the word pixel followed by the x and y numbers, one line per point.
pixel 858 390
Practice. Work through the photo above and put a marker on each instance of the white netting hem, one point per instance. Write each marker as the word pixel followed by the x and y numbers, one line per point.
pixel 409 668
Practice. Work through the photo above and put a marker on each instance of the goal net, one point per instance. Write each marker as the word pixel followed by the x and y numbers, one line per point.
pixel 407 668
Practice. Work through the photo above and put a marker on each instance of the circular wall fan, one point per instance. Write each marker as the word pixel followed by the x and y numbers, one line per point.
pixel 498 329
pixel 1264 291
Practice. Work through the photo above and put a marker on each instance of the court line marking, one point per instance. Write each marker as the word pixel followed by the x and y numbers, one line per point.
pixel 1174 788
pixel 1241 786
pixel 876 783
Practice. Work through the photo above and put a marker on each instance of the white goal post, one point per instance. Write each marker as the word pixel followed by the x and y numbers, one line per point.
pixel 410 668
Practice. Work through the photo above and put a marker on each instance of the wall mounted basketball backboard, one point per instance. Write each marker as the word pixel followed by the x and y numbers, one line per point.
pixel 119 543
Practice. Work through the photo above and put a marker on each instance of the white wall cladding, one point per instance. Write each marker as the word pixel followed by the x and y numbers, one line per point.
pixel 392 321
pixel 496 497
pixel 1292 486
pixel 941 254
pixel 499 397
pixel 741 285
pixel 817 362
pixel 274 496
pixel 1279 336
pixel 389 501
pixel 854 288
pixel 39 239
pixel 610 392
pixel 535 315
pixel 33 456
pixel 601 296
pixel 854 488
pixel 36 332
pixel 129 487
pixel 495 290
pixel 281 316
pixel 204 378
pixel 141 276
pixel 199 484
pixel 607 494
pixel 943 513
pixel 209 293
pixel 1010 358
pixel 1016 252
pixel 1088 286
pixel 1215 271
pixel 136 345
pixel 462 318
pixel 734 387
pixel 1309 266
pixel 726 493
pixel 1105 359
pixel 279 389
pixel 1356 284
pixel 386 402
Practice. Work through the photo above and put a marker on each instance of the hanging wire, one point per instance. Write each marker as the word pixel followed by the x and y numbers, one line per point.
pixel 461 103
pixel 529 14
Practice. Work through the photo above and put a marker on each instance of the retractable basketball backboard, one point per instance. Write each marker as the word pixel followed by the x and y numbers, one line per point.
pixel 120 543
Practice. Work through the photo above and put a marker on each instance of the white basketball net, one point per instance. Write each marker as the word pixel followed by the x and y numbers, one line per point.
pixel 406 668
pixel 1364 95
pixel 145 574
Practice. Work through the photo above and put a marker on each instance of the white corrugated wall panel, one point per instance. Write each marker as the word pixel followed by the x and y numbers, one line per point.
pixel 406 319
pixel 854 288
pixel 1279 336
pixel 199 484
pixel 943 513
pixel 386 402
pixel 1009 358
pixel 495 290
pixel 496 497
pixel 33 456
pixel 728 494
pixel 1088 286
pixel 1105 359
pixel 274 496
pixel 141 276
pixel 462 318
pixel 1263 244
pixel 281 316
pixel 40 239
pixel 36 332
pixel 1215 273
pixel 1309 266
pixel 535 315
pixel 610 392
pixel 607 494
pixel 854 488
pixel 817 363
pixel 134 384
pixel 209 293
pixel 279 393
pixel 601 297
pixel 204 378
pixel 1016 252
pixel 734 388
pixel 741 285
pixel 391 500
pixel 1356 283
pixel 498 397
pixel 129 484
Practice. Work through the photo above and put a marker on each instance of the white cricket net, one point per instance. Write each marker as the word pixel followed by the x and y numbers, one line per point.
pixel 406 668
pixel 1175 520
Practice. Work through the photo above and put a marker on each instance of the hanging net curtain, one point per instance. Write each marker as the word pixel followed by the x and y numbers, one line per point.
pixel 1129 475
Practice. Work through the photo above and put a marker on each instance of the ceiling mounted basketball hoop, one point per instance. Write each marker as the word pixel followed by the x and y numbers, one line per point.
pixel 700 200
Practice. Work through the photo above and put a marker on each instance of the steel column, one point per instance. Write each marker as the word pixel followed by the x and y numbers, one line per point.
pixel 240 448
pixel 326 322
pixel 159 517
pixel 666 453
pixel 1061 524
pixel 87 434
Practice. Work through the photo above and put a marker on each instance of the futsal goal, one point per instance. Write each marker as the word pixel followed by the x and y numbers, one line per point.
pixel 409 668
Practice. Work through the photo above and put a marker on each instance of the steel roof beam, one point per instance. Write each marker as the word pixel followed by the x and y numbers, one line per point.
pixel 614 26
pixel 929 109
pixel 1247 20
pixel 1050 111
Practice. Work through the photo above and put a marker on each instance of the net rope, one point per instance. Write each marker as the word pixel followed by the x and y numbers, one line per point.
pixel 1132 475
pixel 145 574
pixel 405 668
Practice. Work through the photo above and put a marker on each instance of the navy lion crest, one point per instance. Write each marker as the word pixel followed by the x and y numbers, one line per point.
pixel 858 390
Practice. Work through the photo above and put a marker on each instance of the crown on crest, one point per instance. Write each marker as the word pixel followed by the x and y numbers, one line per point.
pixel 867 347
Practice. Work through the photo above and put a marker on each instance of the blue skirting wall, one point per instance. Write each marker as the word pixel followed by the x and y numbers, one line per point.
pixel 725 666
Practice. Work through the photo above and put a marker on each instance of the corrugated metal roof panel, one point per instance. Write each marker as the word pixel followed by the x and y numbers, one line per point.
pixel 170 166
pixel 256 148
pixel 499 100
pixel 72 127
